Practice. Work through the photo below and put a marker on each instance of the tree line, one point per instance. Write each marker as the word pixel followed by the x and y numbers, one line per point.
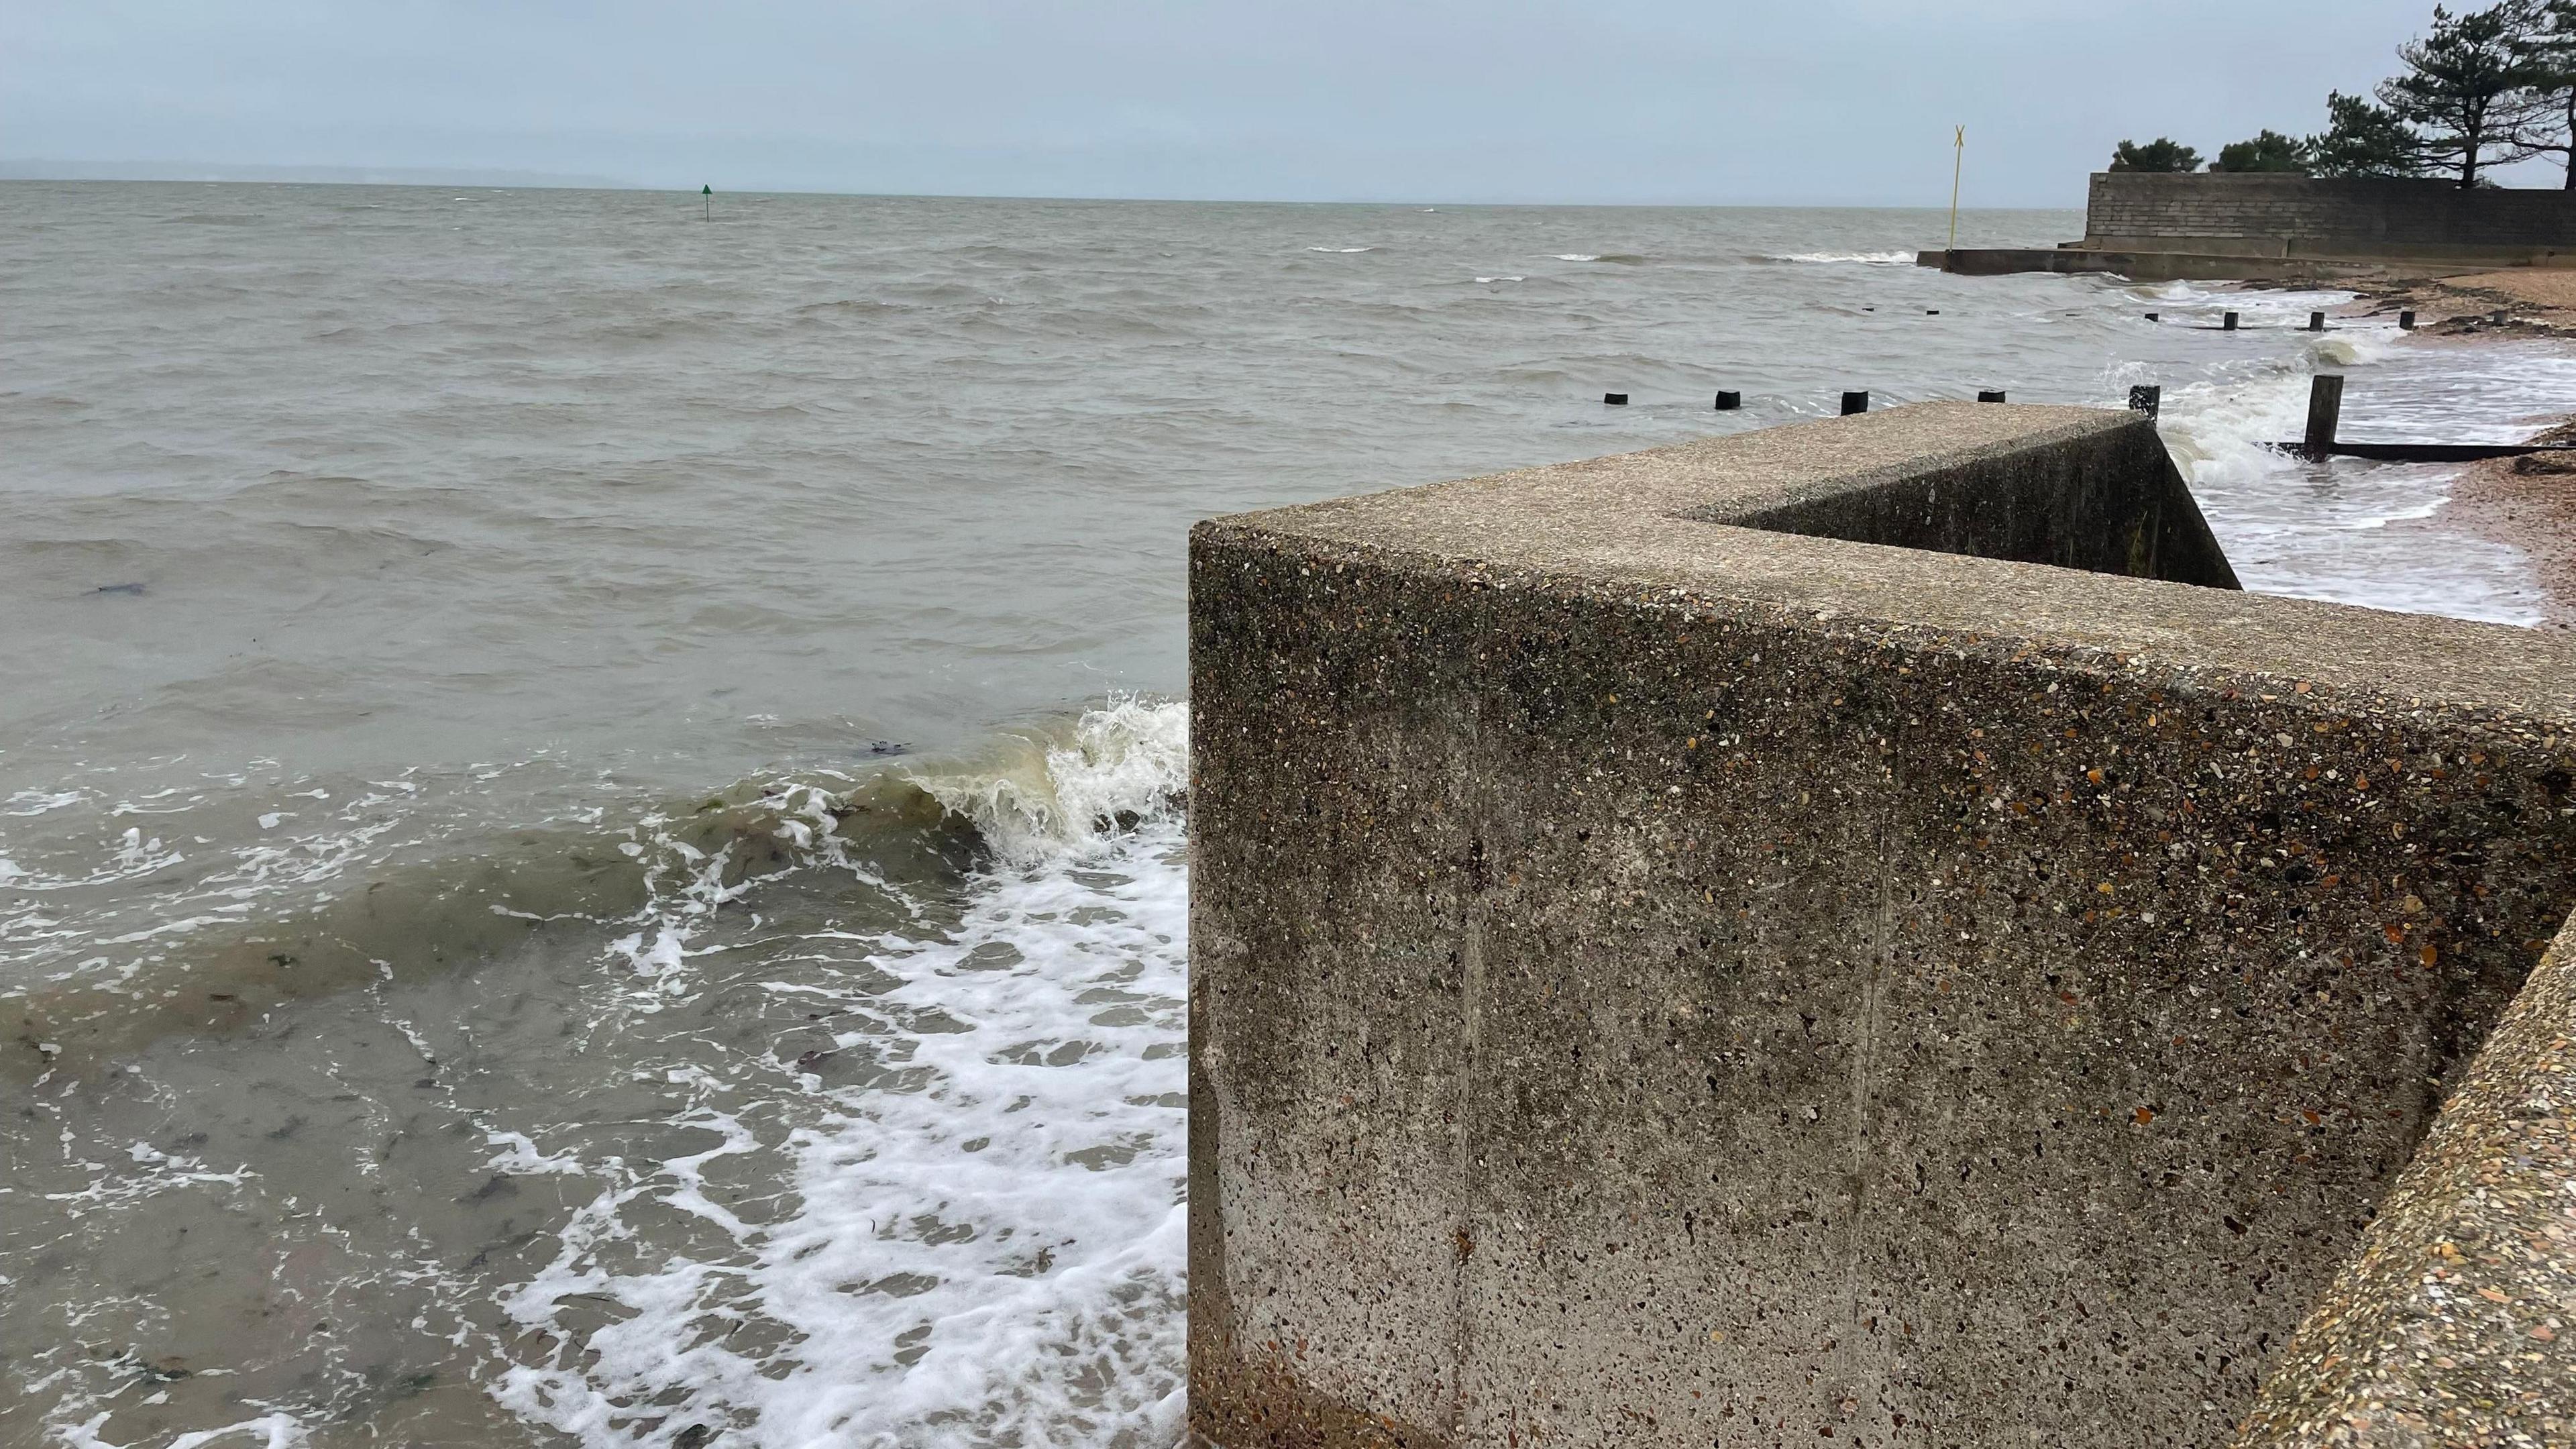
pixel 2480 89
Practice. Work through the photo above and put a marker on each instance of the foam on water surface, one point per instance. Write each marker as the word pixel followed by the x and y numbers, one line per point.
pixel 2352 530
pixel 935 1199
pixel 1871 259
pixel 988 1252
pixel 985 1249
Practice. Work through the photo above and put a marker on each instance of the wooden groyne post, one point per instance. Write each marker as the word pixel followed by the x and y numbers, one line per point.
pixel 2325 419
pixel 2325 411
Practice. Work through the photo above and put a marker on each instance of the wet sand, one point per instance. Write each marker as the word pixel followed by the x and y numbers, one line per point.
pixel 2529 503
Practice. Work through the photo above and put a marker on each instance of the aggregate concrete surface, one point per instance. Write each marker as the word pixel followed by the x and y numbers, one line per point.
pixel 1663 980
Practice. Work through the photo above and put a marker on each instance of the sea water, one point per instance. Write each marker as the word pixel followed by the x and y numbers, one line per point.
pixel 592 799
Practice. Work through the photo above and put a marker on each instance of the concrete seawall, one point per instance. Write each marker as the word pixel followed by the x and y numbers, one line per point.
pixel 2269 213
pixel 2283 228
pixel 2171 266
pixel 1855 932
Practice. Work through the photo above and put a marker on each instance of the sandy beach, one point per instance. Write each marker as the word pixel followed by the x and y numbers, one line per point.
pixel 2538 300
pixel 2529 503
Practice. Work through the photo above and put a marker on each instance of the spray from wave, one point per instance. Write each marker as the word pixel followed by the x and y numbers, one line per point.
pixel 1071 791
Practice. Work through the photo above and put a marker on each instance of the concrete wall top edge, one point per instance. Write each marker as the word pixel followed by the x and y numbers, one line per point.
pixel 1637 526
pixel 1733 475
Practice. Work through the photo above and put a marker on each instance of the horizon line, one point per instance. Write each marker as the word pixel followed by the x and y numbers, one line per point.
pixel 59 172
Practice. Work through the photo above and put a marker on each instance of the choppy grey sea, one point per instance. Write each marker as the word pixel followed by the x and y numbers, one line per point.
pixel 591 803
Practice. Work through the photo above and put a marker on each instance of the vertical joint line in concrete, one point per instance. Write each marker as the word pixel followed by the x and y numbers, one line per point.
pixel 1863 1135
pixel 1478 814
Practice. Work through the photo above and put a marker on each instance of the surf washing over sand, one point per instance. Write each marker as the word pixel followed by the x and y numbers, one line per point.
pixel 592 803
pixel 2347 531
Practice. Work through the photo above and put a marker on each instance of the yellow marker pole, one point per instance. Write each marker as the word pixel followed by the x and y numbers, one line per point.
pixel 1958 158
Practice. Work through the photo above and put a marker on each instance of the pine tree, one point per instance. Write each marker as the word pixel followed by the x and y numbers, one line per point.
pixel 2466 91
pixel 2362 139
pixel 2159 154
pixel 2547 48
pixel 2269 151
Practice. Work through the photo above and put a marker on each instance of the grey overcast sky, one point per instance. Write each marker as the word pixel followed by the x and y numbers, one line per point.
pixel 1819 102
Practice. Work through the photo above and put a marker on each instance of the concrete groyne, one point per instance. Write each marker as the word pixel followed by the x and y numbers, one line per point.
pixel 1859 933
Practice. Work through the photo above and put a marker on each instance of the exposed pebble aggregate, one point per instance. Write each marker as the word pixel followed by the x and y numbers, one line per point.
pixel 2451 1325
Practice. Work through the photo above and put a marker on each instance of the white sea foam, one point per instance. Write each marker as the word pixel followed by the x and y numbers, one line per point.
pixel 1051 797
pixel 268 1431
pixel 1874 259
pixel 2328 531
pixel 1502 279
pixel 518 1154
pixel 37 802
pixel 988 1250
pixel 1342 251
pixel 1577 257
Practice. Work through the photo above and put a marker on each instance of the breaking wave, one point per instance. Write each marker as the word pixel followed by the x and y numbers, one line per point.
pixel 947 1209
pixel 1872 259
pixel 1064 788
pixel 990 1254
pixel 2331 531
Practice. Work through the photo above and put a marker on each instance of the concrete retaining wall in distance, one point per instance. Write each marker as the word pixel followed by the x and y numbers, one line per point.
pixel 2278 215
pixel 1673 963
